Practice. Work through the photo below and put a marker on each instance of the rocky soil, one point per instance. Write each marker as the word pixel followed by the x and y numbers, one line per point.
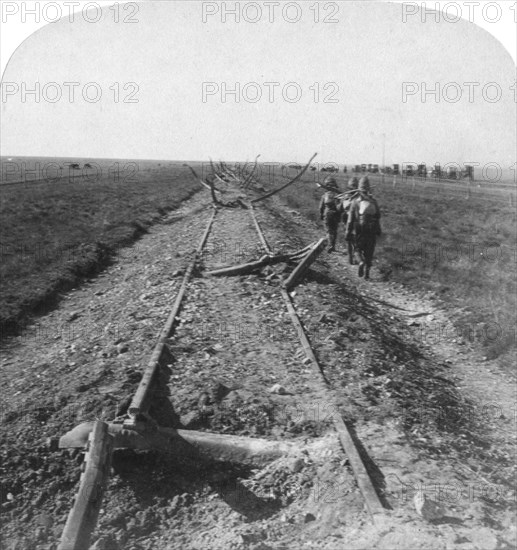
pixel 435 423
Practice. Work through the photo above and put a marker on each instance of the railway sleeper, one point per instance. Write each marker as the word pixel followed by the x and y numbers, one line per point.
pixel 306 256
pixel 202 446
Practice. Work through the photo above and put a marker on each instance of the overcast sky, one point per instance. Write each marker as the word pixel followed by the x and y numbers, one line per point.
pixel 350 75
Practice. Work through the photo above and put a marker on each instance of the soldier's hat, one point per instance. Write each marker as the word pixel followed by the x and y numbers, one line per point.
pixel 353 183
pixel 330 181
pixel 364 184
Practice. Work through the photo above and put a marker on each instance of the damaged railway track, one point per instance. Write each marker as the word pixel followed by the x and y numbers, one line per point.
pixel 142 429
pixel 249 399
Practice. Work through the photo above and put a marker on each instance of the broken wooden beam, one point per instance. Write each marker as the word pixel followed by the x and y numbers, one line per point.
pixel 219 178
pixel 82 518
pixel 303 266
pixel 301 253
pixel 186 443
pixel 215 200
pixel 237 449
pixel 244 269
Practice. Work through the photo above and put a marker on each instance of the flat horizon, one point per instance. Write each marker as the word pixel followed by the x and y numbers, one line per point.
pixel 507 174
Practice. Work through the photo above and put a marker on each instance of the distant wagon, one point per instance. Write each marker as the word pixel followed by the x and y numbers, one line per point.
pixel 437 171
pixel 375 169
pixel 421 171
pixel 75 166
pixel 452 173
pixel 87 165
pixel 357 169
pixel 468 172
pixel 396 169
pixel 363 167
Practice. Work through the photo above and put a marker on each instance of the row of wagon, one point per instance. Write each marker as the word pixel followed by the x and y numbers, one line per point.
pixel 418 170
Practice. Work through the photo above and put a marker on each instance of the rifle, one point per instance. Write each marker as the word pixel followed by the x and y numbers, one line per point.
pixel 351 194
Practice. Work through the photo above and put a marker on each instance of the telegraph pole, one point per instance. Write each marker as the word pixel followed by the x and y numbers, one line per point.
pixel 383 157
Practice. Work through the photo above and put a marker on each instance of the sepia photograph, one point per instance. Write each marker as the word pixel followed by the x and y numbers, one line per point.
pixel 258 275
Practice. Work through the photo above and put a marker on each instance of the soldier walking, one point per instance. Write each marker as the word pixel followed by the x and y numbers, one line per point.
pixel 363 226
pixel 345 209
pixel 329 210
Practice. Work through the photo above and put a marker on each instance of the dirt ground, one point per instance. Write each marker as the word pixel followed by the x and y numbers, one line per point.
pixel 429 415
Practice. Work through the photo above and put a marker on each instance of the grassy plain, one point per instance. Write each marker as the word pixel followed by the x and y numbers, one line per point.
pixel 435 239
pixel 56 231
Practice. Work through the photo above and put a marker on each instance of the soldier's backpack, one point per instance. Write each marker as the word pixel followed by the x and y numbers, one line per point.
pixel 368 214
